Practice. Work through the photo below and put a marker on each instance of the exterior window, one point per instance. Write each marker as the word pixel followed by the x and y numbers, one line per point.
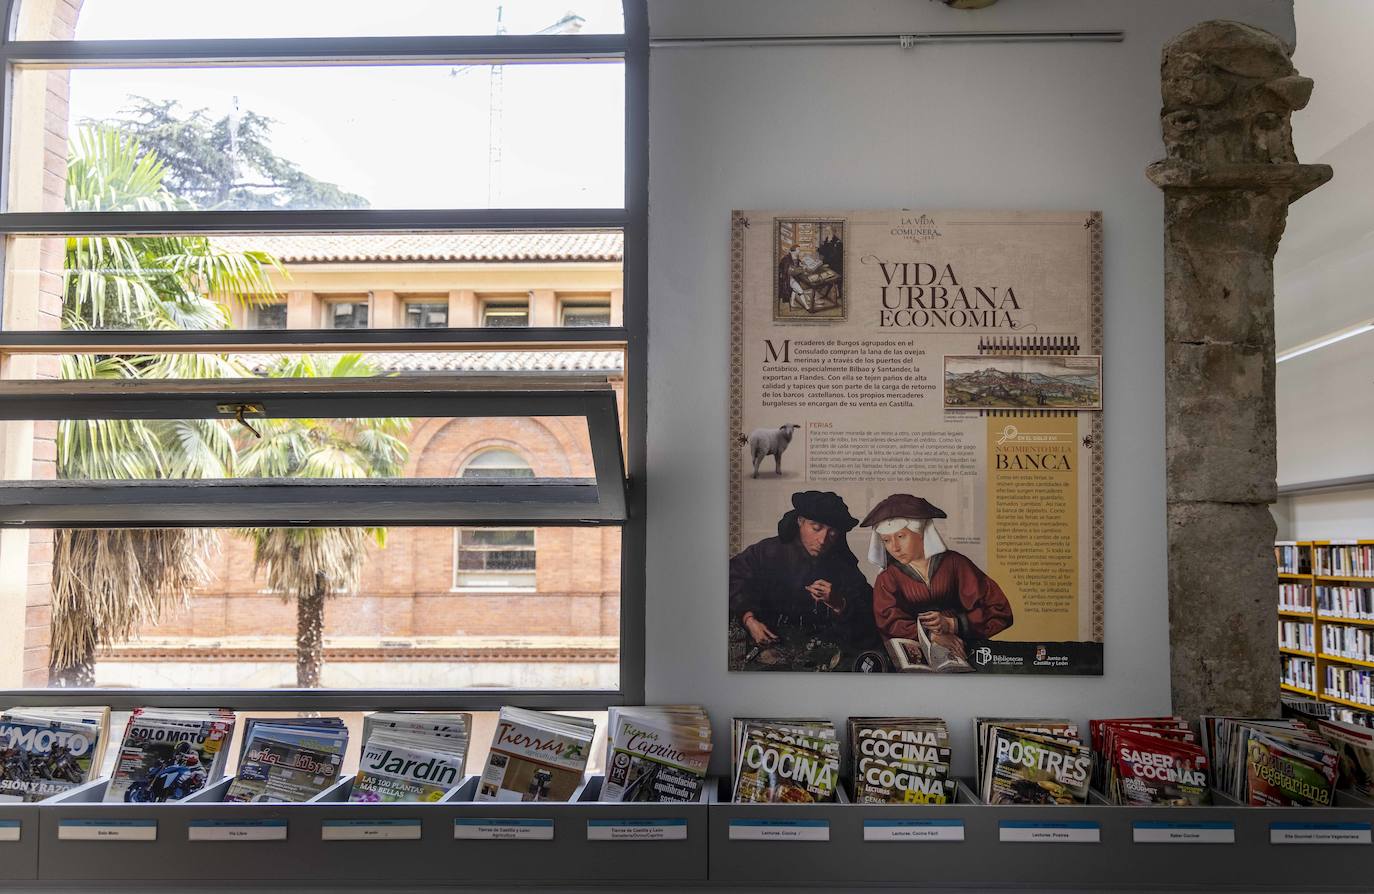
pixel 587 314
pixel 426 315
pixel 495 558
pixel 268 316
pixel 345 315
pixel 505 314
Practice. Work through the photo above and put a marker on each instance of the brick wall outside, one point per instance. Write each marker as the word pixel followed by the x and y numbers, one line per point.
pixel 38 605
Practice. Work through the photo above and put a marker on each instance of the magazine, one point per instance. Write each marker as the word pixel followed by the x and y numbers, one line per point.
pixel 939 654
pixel 1354 747
pixel 983 727
pixel 1027 768
pixel 1267 762
pixel 796 771
pixel 536 756
pixel 46 751
pixel 1147 769
pixel 878 781
pixel 657 754
pixel 405 768
pixel 288 761
pixel 900 760
pixel 168 755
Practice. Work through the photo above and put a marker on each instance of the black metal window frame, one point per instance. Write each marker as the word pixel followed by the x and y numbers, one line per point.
pixel 616 496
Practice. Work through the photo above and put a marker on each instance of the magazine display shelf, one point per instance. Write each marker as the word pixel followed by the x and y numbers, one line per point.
pixel 1093 846
pixel 18 842
pixel 330 841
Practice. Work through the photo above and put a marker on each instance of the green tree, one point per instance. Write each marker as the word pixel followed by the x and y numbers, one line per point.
pixel 108 583
pixel 225 163
pixel 311 564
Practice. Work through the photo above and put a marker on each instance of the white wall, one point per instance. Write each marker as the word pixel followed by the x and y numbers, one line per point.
pixel 1325 264
pixel 1049 126
pixel 1333 515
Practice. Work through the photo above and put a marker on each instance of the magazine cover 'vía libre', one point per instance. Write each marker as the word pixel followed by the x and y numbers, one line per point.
pixel 916 442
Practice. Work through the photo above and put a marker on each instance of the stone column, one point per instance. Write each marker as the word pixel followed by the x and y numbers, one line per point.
pixel 1230 173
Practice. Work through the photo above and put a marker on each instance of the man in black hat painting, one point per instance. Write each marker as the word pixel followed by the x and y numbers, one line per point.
pixel 800 596
pixel 922 583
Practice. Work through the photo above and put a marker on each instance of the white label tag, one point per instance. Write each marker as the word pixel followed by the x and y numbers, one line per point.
pixel 371 830
pixel 1319 833
pixel 10 830
pixel 236 830
pixel 1184 833
pixel 779 830
pixel 107 830
pixel 637 830
pixel 1050 832
pixel 503 829
pixel 914 830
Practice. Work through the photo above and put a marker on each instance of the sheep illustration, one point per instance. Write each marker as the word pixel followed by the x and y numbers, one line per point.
pixel 769 442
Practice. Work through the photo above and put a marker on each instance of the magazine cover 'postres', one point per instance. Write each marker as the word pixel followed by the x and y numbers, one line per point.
pixel 916 442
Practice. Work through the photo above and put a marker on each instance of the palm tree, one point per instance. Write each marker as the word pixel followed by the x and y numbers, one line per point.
pixel 311 564
pixel 108 583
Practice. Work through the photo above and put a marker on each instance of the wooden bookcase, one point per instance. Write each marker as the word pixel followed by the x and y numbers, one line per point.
pixel 1311 559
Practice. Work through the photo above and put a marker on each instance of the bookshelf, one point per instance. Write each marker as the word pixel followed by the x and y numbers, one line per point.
pixel 1325 619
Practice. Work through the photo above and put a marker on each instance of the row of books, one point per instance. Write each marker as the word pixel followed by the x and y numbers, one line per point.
pixel 1299 672
pixel 1344 561
pixel 1296 635
pixel 1290 558
pixel 1341 641
pixel 1346 602
pixel 1295 597
pixel 1354 684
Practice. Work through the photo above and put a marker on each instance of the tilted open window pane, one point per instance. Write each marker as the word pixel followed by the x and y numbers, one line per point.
pixel 533 135
pixel 166 19
pixel 312 281
pixel 235 609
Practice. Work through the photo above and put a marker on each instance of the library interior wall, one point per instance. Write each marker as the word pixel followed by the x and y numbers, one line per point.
pixel 1322 273
pixel 1025 126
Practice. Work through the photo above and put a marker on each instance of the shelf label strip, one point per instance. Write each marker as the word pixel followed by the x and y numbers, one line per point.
pixel 1319 833
pixel 502 829
pixel 371 830
pixel 107 830
pixel 10 830
pixel 236 830
pixel 1184 833
pixel 914 830
pixel 1063 832
pixel 779 830
pixel 637 830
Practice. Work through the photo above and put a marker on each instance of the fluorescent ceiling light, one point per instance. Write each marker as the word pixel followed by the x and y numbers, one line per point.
pixel 1328 340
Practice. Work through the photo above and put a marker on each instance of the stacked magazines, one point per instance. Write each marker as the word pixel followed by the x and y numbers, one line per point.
pixel 900 760
pixel 288 759
pixel 536 756
pixel 784 761
pixel 46 751
pixel 411 757
pixel 1032 762
pixel 169 754
pixel 1149 761
pixel 1270 763
pixel 1354 746
pixel 657 753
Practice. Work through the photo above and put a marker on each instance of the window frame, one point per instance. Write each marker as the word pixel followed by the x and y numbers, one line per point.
pixel 469 590
pixel 632 49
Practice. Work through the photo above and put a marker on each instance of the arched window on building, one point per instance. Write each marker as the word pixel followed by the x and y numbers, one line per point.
pixel 494 558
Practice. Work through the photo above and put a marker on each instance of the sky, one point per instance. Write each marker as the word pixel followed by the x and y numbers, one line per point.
pixel 401 136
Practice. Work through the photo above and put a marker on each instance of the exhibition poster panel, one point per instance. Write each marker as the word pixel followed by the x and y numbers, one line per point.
pixel 916 442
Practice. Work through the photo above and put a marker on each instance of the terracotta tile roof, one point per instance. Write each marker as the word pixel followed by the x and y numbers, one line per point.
pixel 479 361
pixel 451 247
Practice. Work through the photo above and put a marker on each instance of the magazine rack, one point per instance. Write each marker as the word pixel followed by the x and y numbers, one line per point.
pixel 75 839
pixel 454 841
pixel 1096 846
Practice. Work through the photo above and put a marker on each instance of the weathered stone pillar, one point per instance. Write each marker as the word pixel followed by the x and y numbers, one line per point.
pixel 1229 176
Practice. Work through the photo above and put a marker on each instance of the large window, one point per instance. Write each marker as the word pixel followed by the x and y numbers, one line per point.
pixel 272 364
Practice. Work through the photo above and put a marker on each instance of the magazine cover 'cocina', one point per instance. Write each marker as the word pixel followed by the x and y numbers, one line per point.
pixel 916 442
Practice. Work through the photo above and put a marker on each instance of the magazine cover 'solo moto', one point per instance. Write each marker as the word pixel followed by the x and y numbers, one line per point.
pixel 916 442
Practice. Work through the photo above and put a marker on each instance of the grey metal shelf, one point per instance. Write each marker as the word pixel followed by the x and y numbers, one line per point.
pixel 334 843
